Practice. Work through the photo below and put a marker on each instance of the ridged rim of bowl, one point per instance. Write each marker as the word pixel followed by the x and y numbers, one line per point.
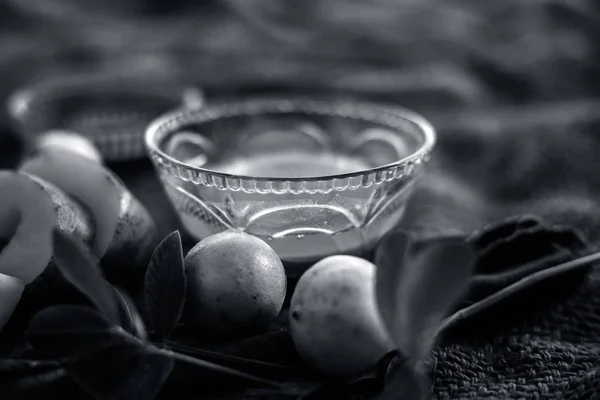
pixel 23 101
pixel 27 107
pixel 388 115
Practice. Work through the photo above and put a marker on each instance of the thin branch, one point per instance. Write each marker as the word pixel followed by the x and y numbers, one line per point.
pixel 216 367
pixel 215 356
pixel 516 287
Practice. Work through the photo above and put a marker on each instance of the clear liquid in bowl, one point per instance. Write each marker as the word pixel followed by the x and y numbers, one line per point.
pixel 291 164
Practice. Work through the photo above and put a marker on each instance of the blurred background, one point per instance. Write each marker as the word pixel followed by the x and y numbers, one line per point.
pixel 470 52
pixel 511 86
pixel 427 54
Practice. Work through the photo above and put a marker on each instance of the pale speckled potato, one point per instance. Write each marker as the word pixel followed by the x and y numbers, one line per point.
pixel 134 239
pixel 33 209
pixel 86 181
pixel 334 321
pixel 72 218
pixel 125 233
pixel 30 209
pixel 236 284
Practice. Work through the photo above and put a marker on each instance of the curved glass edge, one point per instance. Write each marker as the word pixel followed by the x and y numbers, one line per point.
pixel 393 116
pixel 23 101
pixel 311 185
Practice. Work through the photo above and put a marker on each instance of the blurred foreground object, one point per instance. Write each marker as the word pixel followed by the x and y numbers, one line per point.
pixel 68 141
pixel 111 111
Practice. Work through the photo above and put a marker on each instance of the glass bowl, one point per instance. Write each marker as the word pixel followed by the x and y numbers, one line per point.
pixel 311 177
pixel 112 111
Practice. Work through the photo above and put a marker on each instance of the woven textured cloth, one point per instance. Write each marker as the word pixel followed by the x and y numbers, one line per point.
pixel 552 355
pixel 513 100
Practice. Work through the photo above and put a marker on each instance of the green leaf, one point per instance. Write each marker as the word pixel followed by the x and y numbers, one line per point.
pixel 165 286
pixel 79 266
pixel 417 283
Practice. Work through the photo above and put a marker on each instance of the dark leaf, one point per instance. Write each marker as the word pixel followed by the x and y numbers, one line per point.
pixel 362 385
pixel 68 331
pixel 165 285
pixel 520 246
pixel 13 369
pixel 102 358
pixel 29 379
pixel 417 283
pixel 130 318
pixel 80 268
pixel 517 288
pixel 124 371
pixel 520 267
pixel 404 382
pixel 20 349
pixel 522 240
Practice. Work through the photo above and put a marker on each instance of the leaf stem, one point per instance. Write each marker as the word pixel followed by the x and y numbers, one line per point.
pixel 516 287
pixel 216 356
pixel 216 367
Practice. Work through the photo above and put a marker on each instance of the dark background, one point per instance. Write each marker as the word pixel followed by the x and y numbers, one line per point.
pixel 427 54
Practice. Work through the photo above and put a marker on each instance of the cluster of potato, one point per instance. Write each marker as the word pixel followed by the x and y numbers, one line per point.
pixel 236 283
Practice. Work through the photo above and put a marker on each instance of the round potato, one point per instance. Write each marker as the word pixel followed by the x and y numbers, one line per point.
pixel 125 233
pixel 334 320
pixel 30 210
pixel 236 284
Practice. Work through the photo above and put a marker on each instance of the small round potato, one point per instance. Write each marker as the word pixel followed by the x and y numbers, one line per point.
pixel 124 232
pixel 236 284
pixel 334 320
